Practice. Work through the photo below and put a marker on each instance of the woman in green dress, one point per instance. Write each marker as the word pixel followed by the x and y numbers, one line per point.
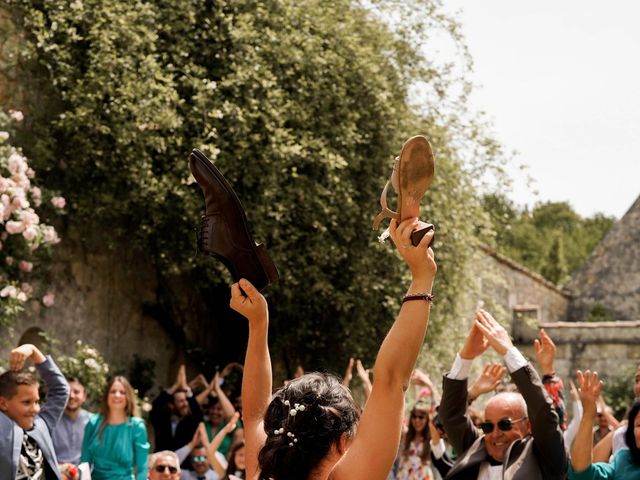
pixel 115 440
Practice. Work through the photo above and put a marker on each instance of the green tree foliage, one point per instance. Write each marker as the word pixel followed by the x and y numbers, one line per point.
pixel 554 265
pixel 551 239
pixel 302 105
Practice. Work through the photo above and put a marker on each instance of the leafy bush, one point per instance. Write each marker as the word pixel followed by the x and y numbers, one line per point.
pixel 88 365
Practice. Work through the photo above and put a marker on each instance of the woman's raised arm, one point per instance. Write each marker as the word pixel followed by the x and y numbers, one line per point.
pixel 375 445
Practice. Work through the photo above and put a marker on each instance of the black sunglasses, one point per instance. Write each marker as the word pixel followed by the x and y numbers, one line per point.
pixel 162 468
pixel 504 425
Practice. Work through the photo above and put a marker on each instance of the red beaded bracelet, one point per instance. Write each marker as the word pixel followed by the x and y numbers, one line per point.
pixel 418 296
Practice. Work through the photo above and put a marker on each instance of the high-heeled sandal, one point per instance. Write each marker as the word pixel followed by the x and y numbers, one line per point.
pixel 412 175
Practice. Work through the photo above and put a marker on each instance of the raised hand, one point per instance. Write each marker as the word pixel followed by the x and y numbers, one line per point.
pixel 215 383
pixel 575 395
pixel 475 344
pixel 248 301
pixel 229 367
pixel 196 440
pixel 19 356
pixel 418 377
pixel 545 351
pixel 231 424
pixel 363 373
pixel 181 378
pixel 348 374
pixel 202 435
pixel 589 386
pixel 420 258
pixel 494 333
pixel 488 380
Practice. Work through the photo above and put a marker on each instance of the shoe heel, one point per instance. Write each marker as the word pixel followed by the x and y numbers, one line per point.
pixel 385 212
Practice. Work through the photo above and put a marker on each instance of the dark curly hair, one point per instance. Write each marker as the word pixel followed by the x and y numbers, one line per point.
pixel 329 412
pixel 629 434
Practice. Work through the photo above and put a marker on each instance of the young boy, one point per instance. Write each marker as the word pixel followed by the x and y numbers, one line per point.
pixel 26 448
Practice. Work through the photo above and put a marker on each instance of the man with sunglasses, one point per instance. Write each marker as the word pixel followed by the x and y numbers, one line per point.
pixel 164 465
pixel 201 468
pixel 520 438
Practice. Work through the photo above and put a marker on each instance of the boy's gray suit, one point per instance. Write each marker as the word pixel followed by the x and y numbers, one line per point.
pixel 44 423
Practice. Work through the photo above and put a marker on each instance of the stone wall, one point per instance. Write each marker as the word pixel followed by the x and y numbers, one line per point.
pixel 610 348
pixel 100 298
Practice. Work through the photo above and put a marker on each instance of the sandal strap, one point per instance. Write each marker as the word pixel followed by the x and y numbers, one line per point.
pixel 386 212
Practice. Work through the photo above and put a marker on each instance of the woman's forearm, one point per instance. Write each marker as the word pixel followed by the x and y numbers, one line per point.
pixel 399 350
pixel 256 381
pixel 581 452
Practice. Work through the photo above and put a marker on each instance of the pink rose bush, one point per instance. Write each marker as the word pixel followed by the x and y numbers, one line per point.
pixel 22 231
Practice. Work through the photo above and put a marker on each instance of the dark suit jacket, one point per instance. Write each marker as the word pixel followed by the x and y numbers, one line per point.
pixel 540 455
pixel 43 425
pixel 160 418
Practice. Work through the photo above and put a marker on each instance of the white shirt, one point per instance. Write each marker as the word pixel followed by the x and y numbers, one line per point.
pixel 489 472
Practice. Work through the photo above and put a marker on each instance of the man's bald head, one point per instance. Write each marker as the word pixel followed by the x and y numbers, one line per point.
pixel 503 406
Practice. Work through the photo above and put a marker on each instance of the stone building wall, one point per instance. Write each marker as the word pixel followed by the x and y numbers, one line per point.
pixel 519 291
pixel 531 302
pixel 610 348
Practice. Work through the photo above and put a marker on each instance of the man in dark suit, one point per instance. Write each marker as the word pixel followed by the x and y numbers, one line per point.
pixel 522 439
pixel 26 448
pixel 175 415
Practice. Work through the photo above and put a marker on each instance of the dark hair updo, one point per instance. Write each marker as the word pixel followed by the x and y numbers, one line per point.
pixel 629 434
pixel 297 443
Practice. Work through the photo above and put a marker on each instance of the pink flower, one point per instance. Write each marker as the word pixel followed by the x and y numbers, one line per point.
pixel 21 296
pixel 9 291
pixel 27 288
pixel 49 299
pixel 25 266
pixel 50 235
pixel 17 115
pixel 17 164
pixel 31 173
pixel 36 193
pixel 58 202
pixel 30 233
pixel 9 260
pixel 14 227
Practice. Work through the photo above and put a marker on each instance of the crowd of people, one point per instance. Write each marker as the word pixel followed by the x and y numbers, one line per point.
pixel 312 428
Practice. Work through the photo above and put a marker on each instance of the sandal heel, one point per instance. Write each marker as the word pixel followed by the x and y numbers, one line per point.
pixel 385 212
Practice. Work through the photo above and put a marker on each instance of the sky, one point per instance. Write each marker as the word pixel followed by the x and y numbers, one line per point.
pixel 560 82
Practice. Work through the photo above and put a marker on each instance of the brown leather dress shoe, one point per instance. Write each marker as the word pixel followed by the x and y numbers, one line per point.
pixel 224 232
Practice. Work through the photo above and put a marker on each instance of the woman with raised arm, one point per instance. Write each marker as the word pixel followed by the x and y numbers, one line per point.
pixel 311 429
pixel 626 462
